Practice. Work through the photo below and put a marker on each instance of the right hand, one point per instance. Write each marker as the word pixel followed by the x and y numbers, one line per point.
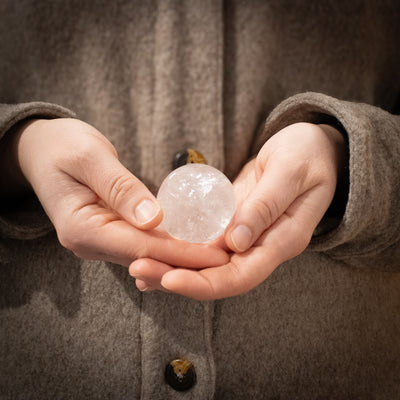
pixel 98 208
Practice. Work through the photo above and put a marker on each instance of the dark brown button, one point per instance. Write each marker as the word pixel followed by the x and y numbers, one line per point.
pixel 180 374
pixel 188 156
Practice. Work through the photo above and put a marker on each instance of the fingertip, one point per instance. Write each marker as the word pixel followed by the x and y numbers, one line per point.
pixel 220 256
pixel 143 286
pixel 240 238
pixel 221 243
pixel 171 281
pixel 167 281
pixel 188 283
pixel 134 268
pixel 148 214
pixel 177 281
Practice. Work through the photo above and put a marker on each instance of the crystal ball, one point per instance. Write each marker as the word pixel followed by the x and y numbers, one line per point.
pixel 198 202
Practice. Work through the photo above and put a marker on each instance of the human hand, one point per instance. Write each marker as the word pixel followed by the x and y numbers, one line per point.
pixel 282 196
pixel 98 208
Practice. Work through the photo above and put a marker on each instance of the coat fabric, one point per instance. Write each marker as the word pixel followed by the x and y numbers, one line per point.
pixel 160 76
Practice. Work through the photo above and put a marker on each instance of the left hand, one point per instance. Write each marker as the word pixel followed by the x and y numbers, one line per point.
pixel 282 196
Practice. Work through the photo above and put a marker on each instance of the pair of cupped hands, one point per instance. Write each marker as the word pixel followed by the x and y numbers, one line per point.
pixel 101 211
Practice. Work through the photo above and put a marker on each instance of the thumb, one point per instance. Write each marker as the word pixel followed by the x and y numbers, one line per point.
pixel 121 191
pixel 269 199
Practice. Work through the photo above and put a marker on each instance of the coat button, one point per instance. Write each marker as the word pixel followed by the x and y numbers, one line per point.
pixel 188 156
pixel 180 374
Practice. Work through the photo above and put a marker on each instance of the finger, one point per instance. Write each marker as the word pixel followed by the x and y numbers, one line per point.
pixel 118 242
pixel 94 232
pixel 275 191
pixel 220 242
pixel 245 182
pixel 148 273
pixel 120 190
pixel 81 152
pixel 143 286
pixel 285 239
pixel 242 273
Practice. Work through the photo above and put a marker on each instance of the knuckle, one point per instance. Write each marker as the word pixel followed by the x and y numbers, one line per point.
pixel 140 251
pixel 78 158
pixel 265 212
pixel 211 292
pixel 243 282
pixel 141 248
pixel 91 144
pixel 120 187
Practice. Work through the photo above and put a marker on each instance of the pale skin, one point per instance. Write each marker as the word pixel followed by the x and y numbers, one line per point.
pixel 283 194
pixel 93 200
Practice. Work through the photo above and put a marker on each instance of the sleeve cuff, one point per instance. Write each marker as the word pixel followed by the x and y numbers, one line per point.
pixel 26 218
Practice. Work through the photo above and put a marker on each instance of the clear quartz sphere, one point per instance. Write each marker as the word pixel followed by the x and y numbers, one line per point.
pixel 198 202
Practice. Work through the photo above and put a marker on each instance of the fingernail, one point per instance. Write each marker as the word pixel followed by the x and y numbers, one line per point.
pixel 142 285
pixel 146 211
pixel 241 237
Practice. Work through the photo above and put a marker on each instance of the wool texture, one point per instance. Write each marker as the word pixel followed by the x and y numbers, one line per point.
pixel 221 77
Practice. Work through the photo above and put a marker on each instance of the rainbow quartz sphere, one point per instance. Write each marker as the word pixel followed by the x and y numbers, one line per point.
pixel 198 202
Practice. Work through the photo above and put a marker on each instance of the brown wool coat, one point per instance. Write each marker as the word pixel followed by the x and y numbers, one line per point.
pixel 163 75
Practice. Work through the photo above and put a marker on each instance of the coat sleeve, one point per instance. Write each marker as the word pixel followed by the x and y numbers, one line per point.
pixel 369 230
pixel 25 219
